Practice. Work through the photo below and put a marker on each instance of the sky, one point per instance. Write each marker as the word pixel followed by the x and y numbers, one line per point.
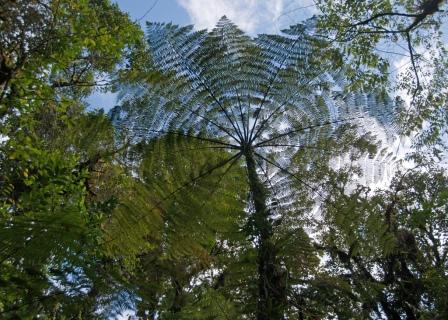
pixel 252 16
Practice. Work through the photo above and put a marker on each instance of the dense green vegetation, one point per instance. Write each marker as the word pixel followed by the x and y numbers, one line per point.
pixel 228 183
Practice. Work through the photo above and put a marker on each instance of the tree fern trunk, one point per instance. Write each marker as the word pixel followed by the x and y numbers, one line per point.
pixel 271 279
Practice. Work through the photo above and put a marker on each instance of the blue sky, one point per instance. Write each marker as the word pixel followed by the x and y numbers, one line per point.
pixel 155 10
pixel 253 16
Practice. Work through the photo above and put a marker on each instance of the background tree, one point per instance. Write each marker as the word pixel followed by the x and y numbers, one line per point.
pixel 372 35
pixel 52 152
pixel 387 248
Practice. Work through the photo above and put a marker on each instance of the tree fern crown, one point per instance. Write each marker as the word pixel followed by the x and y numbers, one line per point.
pixel 265 96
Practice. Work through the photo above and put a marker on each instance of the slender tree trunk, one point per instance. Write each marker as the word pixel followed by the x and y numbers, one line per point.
pixel 177 304
pixel 271 277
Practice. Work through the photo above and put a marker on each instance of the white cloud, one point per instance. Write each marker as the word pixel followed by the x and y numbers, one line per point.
pixel 3 138
pixel 252 16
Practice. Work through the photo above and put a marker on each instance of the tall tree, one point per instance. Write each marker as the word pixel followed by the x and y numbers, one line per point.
pixel 262 100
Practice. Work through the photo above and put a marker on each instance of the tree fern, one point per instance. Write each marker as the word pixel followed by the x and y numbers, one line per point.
pixel 263 100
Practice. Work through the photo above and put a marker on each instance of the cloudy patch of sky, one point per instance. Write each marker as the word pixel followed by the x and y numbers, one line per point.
pixel 252 16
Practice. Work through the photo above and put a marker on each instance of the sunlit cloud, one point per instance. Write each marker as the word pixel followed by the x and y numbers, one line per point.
pixel 252 16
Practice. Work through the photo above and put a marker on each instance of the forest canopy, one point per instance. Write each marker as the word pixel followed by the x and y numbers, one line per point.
pixel 236 177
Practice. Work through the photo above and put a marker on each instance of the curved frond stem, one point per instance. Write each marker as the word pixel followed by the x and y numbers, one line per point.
pixel 248 116
pixel 178 152
pixel 268 90
pixel 214 123
pixel 201 148
pixel 232 163
pixel 209 171
pixel 328 123
pixel 238 132
pixel 275 164
pixel 265 121
pixel 242 135
pixel 243 124
pixel 228 145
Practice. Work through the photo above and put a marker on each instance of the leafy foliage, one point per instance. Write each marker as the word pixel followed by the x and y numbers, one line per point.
pixel 51 54
pixel 191 225
pixel 394 42
pixel 389 247
pixel 50 226
pixel 239 194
